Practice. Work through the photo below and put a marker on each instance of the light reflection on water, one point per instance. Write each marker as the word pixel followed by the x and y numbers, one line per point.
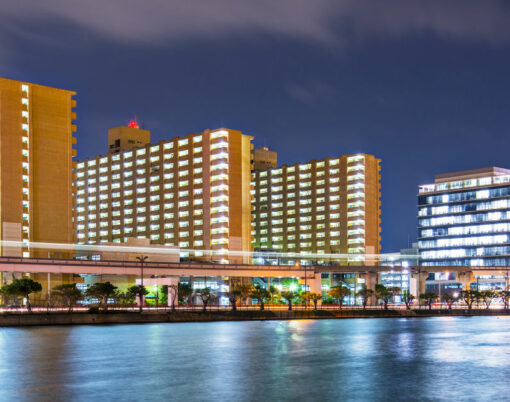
pixel 357 359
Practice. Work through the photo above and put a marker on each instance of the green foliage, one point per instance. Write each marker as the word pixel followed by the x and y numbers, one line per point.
pixel 184 291
pixel 260 294
pixel 275 294
pixel 469 297
pixel 365 294
pixel 339 292
pixel 488 296
pixel 102 291
pixel 138 291
pixel 386 294
pixel 505 296
pixel 312 297
pixel 206 295
pixel 429 298
pixel 407 298
pixel 69 293
pixel 449 299
pixel 163 291
pixel 289 296
pixel 23 287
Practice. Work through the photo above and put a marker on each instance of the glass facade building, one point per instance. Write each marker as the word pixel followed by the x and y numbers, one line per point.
pixel 464 219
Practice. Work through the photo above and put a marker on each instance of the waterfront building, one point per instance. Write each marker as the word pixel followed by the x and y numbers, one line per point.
pixel 320 207
pixel 464 219
pixel 191 191
pixel 36 133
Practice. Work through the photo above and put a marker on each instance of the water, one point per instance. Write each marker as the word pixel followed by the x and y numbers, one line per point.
pixel 423 359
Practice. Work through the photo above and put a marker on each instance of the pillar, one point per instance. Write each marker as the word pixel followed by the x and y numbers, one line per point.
pixel 315 284
pixel 417 285
pixel 371 279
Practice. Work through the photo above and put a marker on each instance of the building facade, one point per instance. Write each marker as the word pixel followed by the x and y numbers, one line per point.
pixel 329 206
pixel 464 219
pixel 191 191
pixel 264 158
pixel 36 151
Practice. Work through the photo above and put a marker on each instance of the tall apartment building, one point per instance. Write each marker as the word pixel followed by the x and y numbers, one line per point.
pixel 36 151
pixel 320 207
pixel 464 218
pixel 191 191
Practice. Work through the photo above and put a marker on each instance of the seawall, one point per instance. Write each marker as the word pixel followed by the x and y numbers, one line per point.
pixel 117 317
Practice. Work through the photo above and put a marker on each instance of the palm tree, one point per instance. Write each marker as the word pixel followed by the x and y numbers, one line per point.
pixel 69 292
pixel 138 291
pixel 365 294
pixel 102 291
pixel 289 296
pixel 339 292
pixel 24 287
pixel 429 298
pixel 260 294
pixel 206 295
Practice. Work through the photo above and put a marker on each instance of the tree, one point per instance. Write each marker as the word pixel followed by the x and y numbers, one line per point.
pixel 69 293
pixel 289 296
pixel 275 293
pixel 184 291
pixel 124 298
pixel 365 294
pixel 385 294
pixel 313 297
pixel 469 296
pixel 24 287
pixel 102 291
pixel 407 298
pixel 505 296
pixel 138 291
pixel 260 294
pixel 487 296
pixel 429 298
pixel 9 296
pixel 206 295
pixel 246 290
pixel 339 292
pixel 234 294
pixel 449 299
pixel 175 294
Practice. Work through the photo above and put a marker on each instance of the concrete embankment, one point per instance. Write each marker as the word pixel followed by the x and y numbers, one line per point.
pixel 118 317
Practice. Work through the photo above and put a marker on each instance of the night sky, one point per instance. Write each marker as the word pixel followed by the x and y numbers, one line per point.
pixel 423 85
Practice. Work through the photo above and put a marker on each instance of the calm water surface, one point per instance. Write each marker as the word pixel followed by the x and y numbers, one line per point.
pixel 454 359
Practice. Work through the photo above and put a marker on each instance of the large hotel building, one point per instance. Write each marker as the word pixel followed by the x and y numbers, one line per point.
pixel 329 206
pixel 464 218
pixel 191 191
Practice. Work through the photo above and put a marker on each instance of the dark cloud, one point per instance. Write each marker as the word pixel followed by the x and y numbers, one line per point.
pixel 324 21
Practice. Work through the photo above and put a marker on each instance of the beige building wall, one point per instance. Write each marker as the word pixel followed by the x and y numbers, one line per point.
pixel 36 151
pixel 321 207
pixel 263 158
